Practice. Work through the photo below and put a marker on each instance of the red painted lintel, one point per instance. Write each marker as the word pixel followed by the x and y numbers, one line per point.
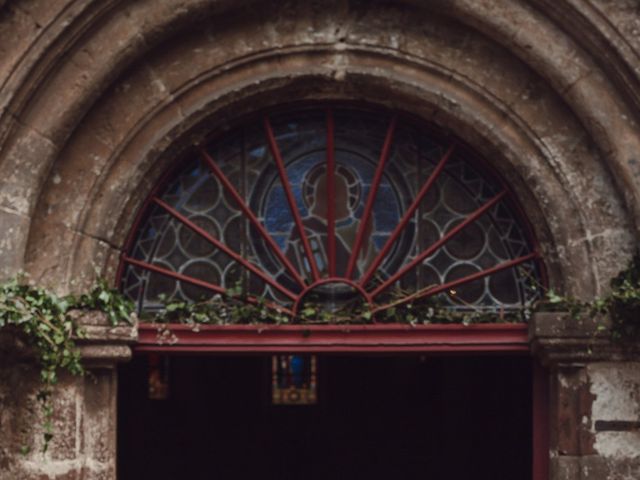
pixel 335 338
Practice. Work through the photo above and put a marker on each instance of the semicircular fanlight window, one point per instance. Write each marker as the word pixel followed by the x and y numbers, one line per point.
pixel 338 202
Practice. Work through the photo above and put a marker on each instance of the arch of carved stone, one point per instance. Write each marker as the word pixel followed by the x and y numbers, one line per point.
pixel 96 97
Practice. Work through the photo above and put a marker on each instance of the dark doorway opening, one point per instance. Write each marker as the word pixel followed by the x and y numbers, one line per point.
pixel 400 417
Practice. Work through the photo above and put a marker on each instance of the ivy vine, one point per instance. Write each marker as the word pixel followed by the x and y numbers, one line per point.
pixel 233 308
pixel 47 322
pixel 45 319
pixel 621 306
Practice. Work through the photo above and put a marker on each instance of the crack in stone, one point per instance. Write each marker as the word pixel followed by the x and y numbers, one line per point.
pixel 14 212
pixel 98 238
pixel 581 77
pixel 26 13
pixel 31 128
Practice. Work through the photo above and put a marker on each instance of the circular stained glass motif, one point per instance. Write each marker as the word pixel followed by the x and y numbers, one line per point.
pixel 336 204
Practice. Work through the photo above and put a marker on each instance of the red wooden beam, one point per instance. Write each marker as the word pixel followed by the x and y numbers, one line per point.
pixel 334 338
pixel 541 440
pixel 251 349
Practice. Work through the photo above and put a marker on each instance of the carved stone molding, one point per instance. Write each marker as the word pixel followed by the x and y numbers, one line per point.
pixel 103 344
pixel 557 338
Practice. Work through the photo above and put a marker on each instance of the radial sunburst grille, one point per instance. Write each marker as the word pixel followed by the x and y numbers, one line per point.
pixel 309 198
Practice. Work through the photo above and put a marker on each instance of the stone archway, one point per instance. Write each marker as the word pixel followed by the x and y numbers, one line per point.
pixel 96 96
pixel 454 68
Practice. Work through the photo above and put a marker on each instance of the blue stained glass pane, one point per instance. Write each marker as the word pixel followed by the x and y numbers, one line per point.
pixel 277 214
pixel 379 240
pixel 386 209
pixel 281 240
pixel 297 370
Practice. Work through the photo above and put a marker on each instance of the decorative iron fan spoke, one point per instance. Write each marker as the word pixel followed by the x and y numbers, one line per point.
pixel 325 281
pixel 199 283
pixel 251 216
pixel 371 198
pixel 218 244
pixel 286 185
pixel 455 283
pixel 432 249
pixel 331 196
pixel 177 276
pixel 406 218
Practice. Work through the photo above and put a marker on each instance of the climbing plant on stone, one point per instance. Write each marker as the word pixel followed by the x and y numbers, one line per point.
pixel 46 321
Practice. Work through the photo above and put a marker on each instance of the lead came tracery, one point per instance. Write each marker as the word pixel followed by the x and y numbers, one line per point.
pixel 338 202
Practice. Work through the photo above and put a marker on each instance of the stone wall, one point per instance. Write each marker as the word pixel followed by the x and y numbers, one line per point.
pixel 98 97
pixel 83 445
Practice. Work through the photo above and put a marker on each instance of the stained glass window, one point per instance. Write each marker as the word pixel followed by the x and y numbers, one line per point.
pixel 337 203
pixel 294 380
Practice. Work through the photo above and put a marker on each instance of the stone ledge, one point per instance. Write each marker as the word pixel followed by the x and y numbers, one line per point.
pixel 561 325
pixel 555 337
pixel 97 327
pixel 102 345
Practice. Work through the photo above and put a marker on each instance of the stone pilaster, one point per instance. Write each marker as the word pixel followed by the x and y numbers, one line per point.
pixel 85 409
pixel 594 410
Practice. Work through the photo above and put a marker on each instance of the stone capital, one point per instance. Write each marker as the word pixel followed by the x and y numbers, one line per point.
pixel 558 339
pixel 103 344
